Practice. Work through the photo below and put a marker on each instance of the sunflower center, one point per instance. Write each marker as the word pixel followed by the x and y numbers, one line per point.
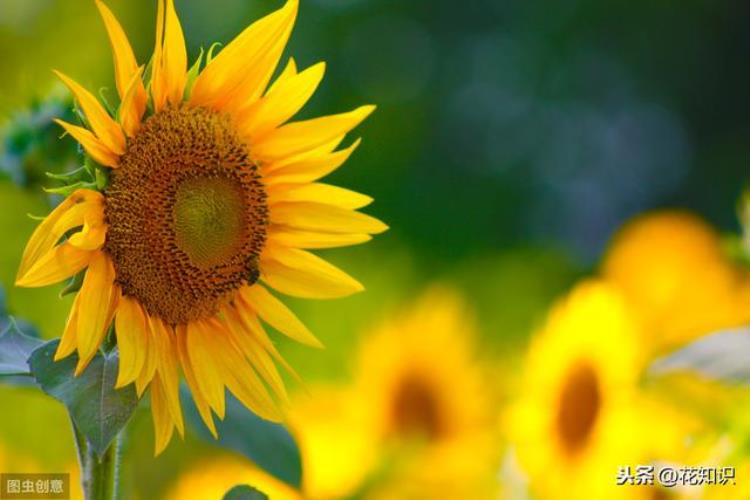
pixel 579 406
pixel 187 215
pixel 416 410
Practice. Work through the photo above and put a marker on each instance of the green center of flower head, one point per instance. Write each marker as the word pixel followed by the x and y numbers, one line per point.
pixel 579 406
pixel 187 215
pixel 209 222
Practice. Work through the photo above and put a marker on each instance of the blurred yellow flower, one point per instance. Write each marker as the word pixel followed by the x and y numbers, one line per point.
pixel 210 192
pixel 672 268
pixel 575 422
pixel 337 452
pixel 211 478
pixel 419 389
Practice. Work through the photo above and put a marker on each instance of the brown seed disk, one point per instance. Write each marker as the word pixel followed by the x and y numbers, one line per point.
pixel 187 215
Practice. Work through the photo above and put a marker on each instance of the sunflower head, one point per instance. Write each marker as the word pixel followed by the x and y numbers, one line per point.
pixel 421 395
pixel 576 414
pixel 202 195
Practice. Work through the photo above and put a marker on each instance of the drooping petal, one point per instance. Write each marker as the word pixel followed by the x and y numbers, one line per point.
pixel 241 71
pixel 125 68
pixel 206 369
pixel 238 375
pixel 281 103
pixel 163 423
pixel 58 264
pixel 297 137
pixel 300 238
pixel 307 169
pixel 93 146
pixel 200 400
pixel 130 328
pixel 301 274
pixel 169 374
pixel 252 327
pixel 276 314
pixel 254 352
pixel 324 218
pixel 99 299
pixel 318 193
pixel 50 230
pixel 150 362
pixel 107 130
pixel 69 340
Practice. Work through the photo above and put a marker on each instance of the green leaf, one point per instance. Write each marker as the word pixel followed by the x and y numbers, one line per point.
pixel 244 492
pixel 15 349
pixel 98 409
pixel 268 445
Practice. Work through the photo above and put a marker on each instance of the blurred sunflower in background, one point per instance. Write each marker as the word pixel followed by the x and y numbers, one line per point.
pixel 576 417
pixel 415 422
pixel 672 266
pixel 201 191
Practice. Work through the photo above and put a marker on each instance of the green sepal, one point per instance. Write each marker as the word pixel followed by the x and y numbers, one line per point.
pixel 75 284
pixel 192 75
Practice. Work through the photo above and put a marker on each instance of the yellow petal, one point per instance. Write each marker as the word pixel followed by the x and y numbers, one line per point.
pixel 297 137
pixel 69 340
pixel 148 370
pixel 125 66
pixel 252 327
pixel 240 72
pixel 239 376
pixel 130 328
pixel 90 238
pixel 299 238
pixel 254 352
pixel 301 274
pixel 99 298
pixel 318 193
pixel 288 72
pixel 107 130
pixel 281 102
pixel 205 368
pixel 58 264
pixel 158 83
pixel 276 314
pixel 93 146
pixel 168 370
pixel 174 56
pixel 307 169
pixel 324 218
pixel 200 401
pixel 133 104
pixel 51 229
pixel 163 423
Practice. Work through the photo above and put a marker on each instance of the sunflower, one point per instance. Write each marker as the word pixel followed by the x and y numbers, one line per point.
pixel 420 392
pixel 211 479
pixel 575 422
pixel 211 200
pixel 672 267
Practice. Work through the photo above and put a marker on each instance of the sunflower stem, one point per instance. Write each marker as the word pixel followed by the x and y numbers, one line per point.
pixel 99 473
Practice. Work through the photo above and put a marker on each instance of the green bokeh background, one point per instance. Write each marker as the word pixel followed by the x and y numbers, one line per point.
pixel 512 137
